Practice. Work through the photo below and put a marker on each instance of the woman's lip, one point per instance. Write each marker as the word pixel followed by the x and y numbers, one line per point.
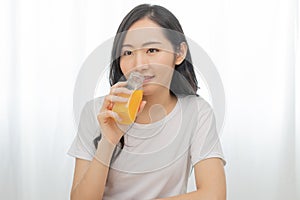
pixel 148 78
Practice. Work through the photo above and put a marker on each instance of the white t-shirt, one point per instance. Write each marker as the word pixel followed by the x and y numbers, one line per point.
pixel 157 158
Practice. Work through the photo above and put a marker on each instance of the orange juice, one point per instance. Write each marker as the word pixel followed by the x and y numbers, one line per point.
pixel 128 110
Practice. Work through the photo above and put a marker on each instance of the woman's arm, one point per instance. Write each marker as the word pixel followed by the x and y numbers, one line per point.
pixel 210 182
pixel 90 176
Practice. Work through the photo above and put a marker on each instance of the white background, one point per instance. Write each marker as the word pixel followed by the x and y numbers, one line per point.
pixel 253 44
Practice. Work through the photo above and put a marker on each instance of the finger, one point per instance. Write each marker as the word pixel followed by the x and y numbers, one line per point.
pixel 142 106
pixel 109 100
pixel 114 99
pixel 120 84
pixel 108 114
pixel 120 90
pixel 110 106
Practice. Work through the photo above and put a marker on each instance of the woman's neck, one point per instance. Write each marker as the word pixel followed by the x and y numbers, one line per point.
pixel 157 107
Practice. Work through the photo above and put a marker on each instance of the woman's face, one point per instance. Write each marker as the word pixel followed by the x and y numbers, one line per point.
pixel 145 49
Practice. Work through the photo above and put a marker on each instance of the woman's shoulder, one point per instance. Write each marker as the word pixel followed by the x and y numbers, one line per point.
pixel 195 100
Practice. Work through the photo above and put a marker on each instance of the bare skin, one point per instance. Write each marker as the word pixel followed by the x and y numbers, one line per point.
pixel 90 176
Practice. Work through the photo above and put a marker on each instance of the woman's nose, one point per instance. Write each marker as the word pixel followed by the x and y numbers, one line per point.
pixel 141 61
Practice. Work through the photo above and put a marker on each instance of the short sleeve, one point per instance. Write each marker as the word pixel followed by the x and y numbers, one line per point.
pixel 88 129
pixel 206 142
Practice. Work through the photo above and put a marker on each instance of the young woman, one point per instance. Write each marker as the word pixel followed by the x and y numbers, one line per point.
pixel 173 132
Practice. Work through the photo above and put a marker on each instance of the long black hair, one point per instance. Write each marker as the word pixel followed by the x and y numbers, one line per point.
pixel 184 80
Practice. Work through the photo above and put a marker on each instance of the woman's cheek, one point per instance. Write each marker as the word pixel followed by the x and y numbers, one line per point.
pixel 124 67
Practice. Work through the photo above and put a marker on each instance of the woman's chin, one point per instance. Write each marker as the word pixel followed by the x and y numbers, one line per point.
pixel 153 89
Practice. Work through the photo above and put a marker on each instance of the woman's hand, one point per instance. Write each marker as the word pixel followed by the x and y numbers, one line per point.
pixel 107 118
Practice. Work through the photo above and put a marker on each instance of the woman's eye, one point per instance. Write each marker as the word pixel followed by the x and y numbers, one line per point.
pixel 127 53
pixel 152 50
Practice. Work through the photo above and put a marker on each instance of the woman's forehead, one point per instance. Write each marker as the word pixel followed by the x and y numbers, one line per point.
pixel 143 35
pixel 140 37
pixel 144 23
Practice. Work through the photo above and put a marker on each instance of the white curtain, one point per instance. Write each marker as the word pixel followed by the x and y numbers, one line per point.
pixel 43 44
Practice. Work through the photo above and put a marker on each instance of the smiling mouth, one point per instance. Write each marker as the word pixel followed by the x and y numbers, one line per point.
pixel 148 78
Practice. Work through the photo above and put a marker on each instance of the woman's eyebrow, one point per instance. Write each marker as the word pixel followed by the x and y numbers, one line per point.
pixel 143 45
